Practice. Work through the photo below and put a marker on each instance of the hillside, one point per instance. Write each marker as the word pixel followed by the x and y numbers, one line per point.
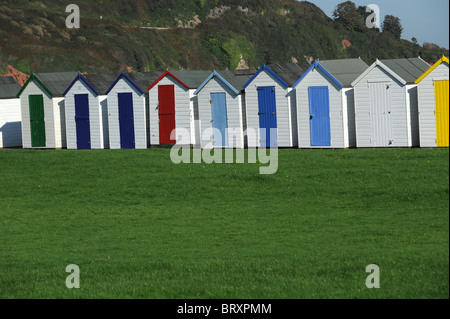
pixel 144 35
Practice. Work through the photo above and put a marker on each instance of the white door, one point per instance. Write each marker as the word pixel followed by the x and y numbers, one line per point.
pixel 380 105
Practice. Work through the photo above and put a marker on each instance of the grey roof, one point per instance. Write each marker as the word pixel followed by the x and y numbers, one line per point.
pixel 57 83
pixel 346 70
pixel 408 69
pixel 290 72
pixel 8 87
pixel 193 79
pixel 100 82
pixel 144 79
pixel 237 78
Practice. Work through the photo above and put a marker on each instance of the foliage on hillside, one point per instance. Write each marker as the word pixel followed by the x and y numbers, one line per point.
pixel 33 36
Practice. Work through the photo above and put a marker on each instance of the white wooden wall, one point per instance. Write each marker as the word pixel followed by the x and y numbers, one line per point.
pixel 10 123
pixel 400 120
pixel 139 115
pixel 234 112
pixel 339 131
pixel 95 117
pixel 426 98
pixel 284 121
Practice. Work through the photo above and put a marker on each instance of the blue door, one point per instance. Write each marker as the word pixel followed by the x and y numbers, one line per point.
pixel 319 109
pixel 82 121
pixel 219 118
pixel 268 116
pixel 126 121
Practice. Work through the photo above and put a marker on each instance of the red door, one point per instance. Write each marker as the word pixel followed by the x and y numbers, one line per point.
pixel 166 95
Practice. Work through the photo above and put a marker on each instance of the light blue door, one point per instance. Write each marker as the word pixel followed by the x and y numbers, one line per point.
pixel 219 118
pixel 319 108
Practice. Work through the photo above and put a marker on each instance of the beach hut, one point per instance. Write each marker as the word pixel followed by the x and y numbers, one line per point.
pixel 87 112
pixel 10 117
pixel 325 104
pixel 173 104
pixel 433 95
pixel 42 108
pixel 386 107
pixel 270 105
pixel 127 113
pixel 221 110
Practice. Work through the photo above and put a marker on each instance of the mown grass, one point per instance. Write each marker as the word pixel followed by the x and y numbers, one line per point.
pixel 139 226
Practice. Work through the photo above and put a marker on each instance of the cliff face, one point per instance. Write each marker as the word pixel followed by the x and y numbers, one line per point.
pixel 21 77
pixel 147 35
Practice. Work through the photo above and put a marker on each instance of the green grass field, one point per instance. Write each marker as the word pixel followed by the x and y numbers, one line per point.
pixel 139 226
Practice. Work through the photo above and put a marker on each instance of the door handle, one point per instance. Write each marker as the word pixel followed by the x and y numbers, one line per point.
pixel 273 113
pixel 311 116
pixel 261 113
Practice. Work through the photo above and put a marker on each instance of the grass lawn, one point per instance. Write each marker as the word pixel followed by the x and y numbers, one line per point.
pixel 139 226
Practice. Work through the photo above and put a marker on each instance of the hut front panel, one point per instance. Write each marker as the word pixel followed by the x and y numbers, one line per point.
pixel 234 116
pixel 34 88
pixel 427 105
pixel 265 79
pixel 95 117
pixel 413 115
pixel 365 132
pixel 139 115
pixel 182 108
pixel 59 116
pixel 195 129
pixel 317 78
pixel 10 123
pixel 348 96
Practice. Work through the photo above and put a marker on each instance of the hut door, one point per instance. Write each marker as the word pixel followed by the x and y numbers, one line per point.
pixel 219 119
pixel 37 120
pixel 82 121
pixel 166 108
pixel 267 116
pixel 319 108
pixel 380 111
pixel 126 121
pixel 441 89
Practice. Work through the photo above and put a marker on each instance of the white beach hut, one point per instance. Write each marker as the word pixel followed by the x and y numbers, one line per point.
pixel 42 108
pixel 433 95
pixel 87 112
pixel 325 104
pixel 221 109
pixel 173 104
pixel 386 106
pixel 10 115
pixel 270 105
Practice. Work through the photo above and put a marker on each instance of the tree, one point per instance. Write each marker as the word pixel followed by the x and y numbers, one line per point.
pixel 393 26
pixel 414 40
pixel 347 14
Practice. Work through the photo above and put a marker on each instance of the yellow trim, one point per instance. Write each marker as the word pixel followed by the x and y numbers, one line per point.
pixel 443 59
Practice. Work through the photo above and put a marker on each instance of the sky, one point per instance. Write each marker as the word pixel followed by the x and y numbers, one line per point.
pixel 426 20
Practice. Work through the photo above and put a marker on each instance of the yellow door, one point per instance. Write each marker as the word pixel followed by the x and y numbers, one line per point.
pixel 442 117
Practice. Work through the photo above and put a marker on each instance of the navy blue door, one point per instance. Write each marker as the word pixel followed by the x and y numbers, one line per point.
pixel 82 121
pixel 268 116
pixel 319 108
pixel 219 118
pixel 126 121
